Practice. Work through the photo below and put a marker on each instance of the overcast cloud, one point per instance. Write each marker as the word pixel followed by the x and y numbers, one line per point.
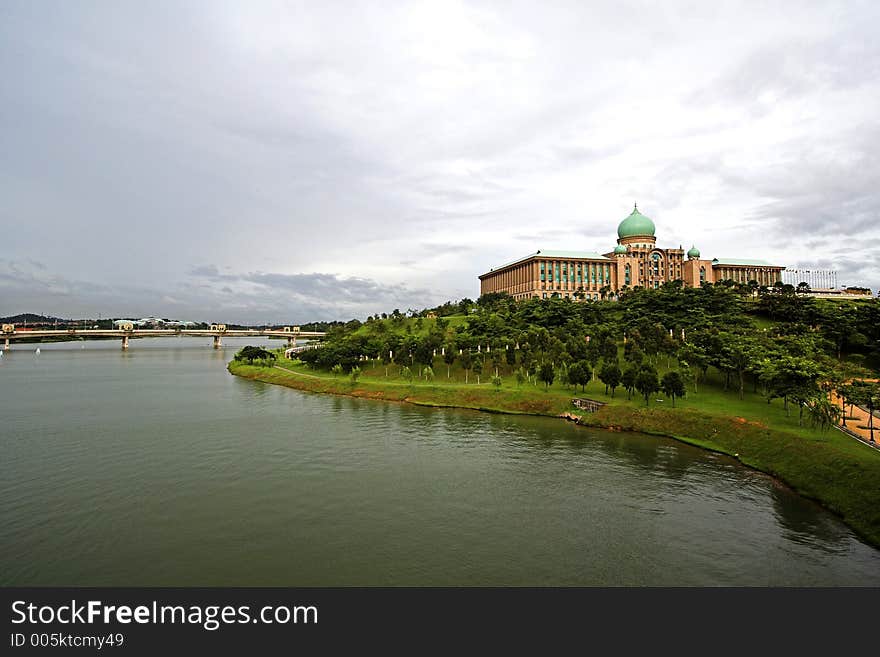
pixel 274 161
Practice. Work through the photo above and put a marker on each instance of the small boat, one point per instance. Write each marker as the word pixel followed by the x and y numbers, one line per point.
pixel 37 351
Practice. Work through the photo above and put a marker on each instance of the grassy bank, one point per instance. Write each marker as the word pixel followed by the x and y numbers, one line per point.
pixel 829 467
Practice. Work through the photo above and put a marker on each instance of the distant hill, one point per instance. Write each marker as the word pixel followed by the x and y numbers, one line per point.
pixel 31 318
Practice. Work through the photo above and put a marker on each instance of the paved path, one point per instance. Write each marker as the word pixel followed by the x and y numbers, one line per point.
pixel 854 427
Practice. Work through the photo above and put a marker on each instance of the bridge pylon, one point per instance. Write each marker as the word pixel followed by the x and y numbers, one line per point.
pixel 217 342
pixel 125 342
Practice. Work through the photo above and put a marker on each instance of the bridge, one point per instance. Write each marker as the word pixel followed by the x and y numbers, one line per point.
pixel 125 333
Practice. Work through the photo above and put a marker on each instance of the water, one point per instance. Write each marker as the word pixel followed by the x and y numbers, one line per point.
pixel 156 467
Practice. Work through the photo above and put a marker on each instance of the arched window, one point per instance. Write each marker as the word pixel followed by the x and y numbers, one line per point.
pixel 702 275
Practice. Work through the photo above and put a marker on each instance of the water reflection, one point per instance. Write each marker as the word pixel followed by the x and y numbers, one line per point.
pixel 165 444
pixel 804 524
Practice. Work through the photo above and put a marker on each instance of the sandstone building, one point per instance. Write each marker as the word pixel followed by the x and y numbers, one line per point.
pixel 636 261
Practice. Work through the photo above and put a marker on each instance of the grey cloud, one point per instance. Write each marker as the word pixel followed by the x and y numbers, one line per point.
pixel 209 294
pixel 146 140
pixel 794 68
pixel 444 249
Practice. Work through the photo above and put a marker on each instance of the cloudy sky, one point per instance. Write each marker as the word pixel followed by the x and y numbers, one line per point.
pixel 282 161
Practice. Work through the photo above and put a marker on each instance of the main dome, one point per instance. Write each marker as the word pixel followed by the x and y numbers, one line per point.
pixel 635 225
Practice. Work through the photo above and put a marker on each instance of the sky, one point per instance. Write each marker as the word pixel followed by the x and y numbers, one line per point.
pixel 282 162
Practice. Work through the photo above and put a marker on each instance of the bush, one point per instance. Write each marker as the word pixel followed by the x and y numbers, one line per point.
pixel 255 355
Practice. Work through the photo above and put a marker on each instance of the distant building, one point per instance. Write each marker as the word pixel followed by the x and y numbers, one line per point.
pixel 636 261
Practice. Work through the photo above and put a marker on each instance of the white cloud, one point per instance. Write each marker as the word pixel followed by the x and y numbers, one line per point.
pixel 363 142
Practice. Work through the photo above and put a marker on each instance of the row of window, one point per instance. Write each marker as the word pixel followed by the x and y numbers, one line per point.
pixel 575 272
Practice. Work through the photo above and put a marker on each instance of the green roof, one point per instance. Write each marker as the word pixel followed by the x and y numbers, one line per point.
pixel 635 225
pixel 581 255
pixel 742 262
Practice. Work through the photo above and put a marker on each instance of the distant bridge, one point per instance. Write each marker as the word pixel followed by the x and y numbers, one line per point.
pixel 216 331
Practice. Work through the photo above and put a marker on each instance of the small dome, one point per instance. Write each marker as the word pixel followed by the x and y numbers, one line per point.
pixel 694 252
pixel 620 248
pixel 635 225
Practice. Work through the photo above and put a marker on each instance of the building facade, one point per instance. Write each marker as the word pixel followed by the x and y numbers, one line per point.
pixel 636 261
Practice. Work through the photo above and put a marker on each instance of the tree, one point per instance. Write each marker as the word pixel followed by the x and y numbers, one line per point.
pixel 673 385
pixel 496 359
pixel 579 374
pixel 423 352
pixel 355 374
pixel 467 362
pixel 647 383
pixel 478 367
pixel 628 380
pixel 521 375
pixel 845 392
pixel 795 378
pixel 823 413
pixel 871 401
pixel 336 370
pixel 610 375
pixel 496 381
pixel 867 395
pixel 406 373
pixel 449 359
pixel 693 356
pixel 608 349
pixel 738 355
pixel 251 354
pixel 546 374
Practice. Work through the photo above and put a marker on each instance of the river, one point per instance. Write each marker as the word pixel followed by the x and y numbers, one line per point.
pixel 156 467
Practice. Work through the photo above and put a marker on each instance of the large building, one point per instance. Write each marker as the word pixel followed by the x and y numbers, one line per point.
pixel 636 261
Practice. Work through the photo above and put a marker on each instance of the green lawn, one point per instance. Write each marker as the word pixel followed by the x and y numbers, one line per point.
pixel 400 327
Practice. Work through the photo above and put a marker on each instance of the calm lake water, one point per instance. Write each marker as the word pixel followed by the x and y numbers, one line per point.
pixel 156 467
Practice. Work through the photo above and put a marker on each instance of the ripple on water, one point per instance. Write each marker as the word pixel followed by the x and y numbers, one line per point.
pixel 157 467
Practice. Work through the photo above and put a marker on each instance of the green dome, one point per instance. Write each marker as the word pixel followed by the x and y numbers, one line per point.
pixel 694 252
pixel 635 225
pixel 620 248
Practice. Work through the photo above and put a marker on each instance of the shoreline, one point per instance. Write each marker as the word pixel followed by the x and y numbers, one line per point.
pixel 813 469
